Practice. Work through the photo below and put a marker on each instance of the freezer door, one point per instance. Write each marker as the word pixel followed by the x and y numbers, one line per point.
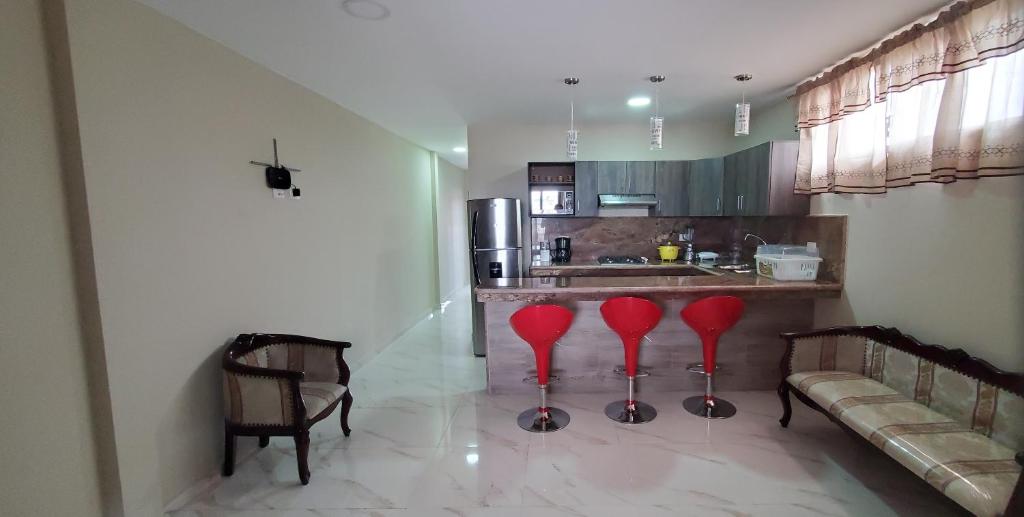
pixel 495 224
pixel 497 264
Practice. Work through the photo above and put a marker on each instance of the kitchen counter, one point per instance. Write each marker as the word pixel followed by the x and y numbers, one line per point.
pixel 746 285
pixel 589 352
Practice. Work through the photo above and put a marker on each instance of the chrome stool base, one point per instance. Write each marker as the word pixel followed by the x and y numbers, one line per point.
pixel 642 413
pixel 721 408
pixel 530 420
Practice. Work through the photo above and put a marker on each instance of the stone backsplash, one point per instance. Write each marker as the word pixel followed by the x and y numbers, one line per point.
pixel 596 236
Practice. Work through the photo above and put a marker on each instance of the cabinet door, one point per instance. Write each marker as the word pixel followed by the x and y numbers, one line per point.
pixel 753 180
pixel 704 186
pixel 612 178
pixel 782 176
pixel 732 164
pixel 641 177
pixel 671 184
pixel 586 189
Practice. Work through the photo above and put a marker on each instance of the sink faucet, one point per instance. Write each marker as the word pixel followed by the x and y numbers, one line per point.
pixel 749 235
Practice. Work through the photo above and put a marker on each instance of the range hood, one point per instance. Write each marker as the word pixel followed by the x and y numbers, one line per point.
pixel 627 200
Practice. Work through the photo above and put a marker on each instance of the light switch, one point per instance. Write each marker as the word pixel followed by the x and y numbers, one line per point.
pixel 280 193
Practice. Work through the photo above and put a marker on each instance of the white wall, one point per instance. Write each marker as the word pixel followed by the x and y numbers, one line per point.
pixel 452 244
pixel 48 458
pixel 190 248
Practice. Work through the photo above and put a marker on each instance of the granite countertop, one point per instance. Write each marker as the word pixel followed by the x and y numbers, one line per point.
pixel 539 289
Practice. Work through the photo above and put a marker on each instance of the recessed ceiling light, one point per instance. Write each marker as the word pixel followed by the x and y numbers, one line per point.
pixel 365 9
pixel 639 102
pixel 458 149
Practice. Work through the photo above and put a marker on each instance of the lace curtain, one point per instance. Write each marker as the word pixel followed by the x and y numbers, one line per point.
pixel 933 104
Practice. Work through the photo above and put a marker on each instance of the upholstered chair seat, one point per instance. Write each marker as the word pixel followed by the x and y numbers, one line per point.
pixel 280 385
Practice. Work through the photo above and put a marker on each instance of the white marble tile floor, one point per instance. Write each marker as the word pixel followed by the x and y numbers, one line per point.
pixel 427 440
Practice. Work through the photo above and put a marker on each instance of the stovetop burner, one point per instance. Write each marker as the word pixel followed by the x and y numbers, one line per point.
pixel 620 259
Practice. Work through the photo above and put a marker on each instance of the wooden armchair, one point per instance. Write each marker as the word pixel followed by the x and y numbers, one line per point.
pixel 280 385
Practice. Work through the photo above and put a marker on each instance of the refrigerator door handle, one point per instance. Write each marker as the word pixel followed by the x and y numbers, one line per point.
pixel 476 272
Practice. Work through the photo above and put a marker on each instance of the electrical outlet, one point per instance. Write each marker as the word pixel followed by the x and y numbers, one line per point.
pixel 280 193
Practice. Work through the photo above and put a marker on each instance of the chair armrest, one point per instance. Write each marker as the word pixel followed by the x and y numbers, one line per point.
pixel 306 340
pixel 255 396
pixel 237 368
pixel 321 359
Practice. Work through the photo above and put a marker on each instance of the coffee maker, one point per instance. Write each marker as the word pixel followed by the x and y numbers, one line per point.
pixel 563 250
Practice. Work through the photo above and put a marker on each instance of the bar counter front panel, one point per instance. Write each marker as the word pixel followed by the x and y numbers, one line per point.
pixel 585 359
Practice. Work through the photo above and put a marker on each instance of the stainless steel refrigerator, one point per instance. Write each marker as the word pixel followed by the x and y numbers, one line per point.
pixel 496 250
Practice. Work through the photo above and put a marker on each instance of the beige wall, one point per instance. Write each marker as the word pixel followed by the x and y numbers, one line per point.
pixel 940 262
pixel 48 458
pixel 190 248
pixel 452 244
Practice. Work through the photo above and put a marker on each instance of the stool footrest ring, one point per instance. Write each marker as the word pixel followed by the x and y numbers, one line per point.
pixel 642 371
pixel 532 379
pixel 699 368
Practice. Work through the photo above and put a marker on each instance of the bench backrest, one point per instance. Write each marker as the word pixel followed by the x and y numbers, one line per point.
pixel 964 388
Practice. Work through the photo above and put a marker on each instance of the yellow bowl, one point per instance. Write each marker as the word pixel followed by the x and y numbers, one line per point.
pixel 668 252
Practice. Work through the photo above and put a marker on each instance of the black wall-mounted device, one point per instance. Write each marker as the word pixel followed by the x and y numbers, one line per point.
pixel 279 178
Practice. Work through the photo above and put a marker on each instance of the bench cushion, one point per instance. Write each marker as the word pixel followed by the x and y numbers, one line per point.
pixel 318 395
pixel 975 471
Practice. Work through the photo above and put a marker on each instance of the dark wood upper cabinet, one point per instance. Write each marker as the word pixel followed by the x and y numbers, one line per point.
pixel 671 184
pixel 625 177
pixel 641 177
pixel 759 181
pixel 705 186
pixel 611 177
pixel 751 182
pixel 586 189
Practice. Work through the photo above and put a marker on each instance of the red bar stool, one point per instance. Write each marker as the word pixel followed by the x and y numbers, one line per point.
pixel 630 318
pixel 541 326
pixel 710 318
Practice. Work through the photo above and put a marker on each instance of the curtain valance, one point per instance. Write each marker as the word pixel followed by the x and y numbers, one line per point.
pixel 935 103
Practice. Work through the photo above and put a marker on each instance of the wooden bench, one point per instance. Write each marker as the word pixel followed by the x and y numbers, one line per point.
pixel 954 420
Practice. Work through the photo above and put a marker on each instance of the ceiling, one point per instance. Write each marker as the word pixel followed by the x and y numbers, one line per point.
pixel 431 68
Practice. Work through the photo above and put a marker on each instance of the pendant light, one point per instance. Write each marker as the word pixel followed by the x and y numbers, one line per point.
pixel 572 136
pixel 741 125
pixel 657 122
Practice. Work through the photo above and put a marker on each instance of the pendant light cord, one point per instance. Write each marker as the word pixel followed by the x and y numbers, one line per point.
pixel 657 99
pixel 572 111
